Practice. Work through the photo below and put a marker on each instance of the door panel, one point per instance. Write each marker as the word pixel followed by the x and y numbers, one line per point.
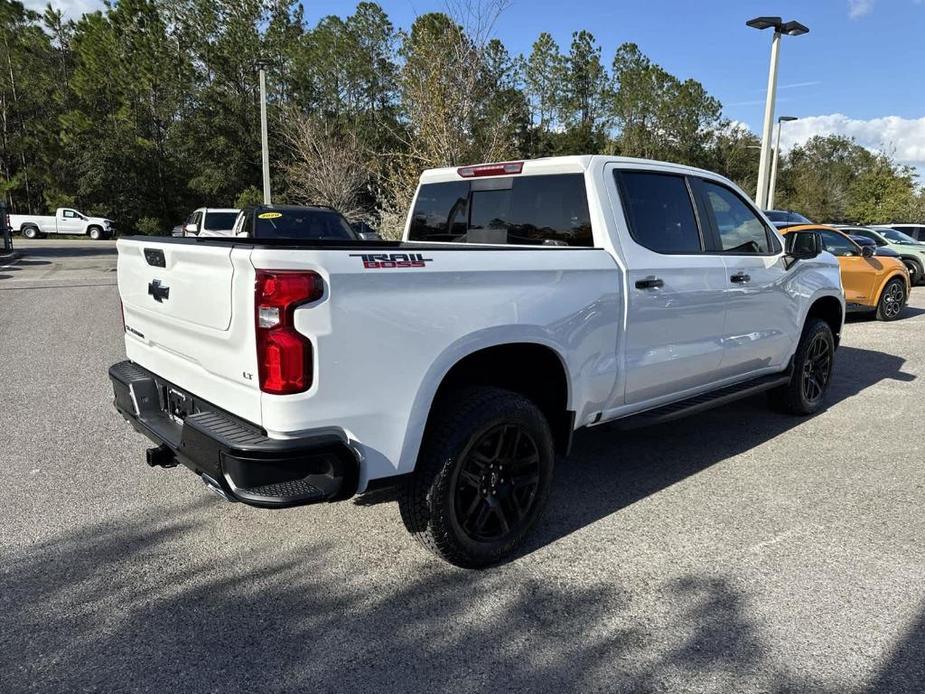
pixel 761 315
pixel 675 292
pixel 674 332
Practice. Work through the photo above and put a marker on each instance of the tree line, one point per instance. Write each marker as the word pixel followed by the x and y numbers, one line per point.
pixel 149 108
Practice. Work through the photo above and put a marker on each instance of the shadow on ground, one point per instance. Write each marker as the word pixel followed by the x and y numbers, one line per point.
pixel 169 598
pixel 111 608
pixel 66 250
pixel 611 469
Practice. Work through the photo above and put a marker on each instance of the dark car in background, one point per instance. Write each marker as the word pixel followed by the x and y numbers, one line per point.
pixel 785 218
pixel 303 222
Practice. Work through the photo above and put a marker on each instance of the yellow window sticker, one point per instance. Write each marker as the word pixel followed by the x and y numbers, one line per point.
pixel 269 215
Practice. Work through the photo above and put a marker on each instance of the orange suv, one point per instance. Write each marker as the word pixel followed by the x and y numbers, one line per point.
pixel 871 283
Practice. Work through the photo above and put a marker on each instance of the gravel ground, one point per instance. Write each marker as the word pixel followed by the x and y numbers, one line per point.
pixel 740 550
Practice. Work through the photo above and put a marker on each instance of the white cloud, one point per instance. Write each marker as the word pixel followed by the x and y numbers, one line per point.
pixel 902 138
pixel 859 8
pixel 71 9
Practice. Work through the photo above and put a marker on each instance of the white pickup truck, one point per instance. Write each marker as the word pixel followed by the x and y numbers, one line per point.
pixel 525 301
pixel 65 221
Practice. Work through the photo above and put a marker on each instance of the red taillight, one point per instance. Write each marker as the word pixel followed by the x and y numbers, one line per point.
pixel 502 169
pixel 284 356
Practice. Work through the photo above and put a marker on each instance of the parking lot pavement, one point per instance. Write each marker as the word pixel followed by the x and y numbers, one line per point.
pixel 740 550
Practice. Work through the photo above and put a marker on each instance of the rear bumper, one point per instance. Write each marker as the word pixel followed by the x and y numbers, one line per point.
pixel 233 456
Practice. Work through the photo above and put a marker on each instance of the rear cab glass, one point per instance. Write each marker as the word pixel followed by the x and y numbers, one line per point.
pixel 539 209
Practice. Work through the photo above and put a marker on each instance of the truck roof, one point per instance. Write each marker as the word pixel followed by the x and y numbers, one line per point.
pixel 568 164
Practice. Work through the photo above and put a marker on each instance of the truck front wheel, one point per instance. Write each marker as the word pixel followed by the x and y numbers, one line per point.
pixel 95 233
pixel 482 477
pixel 812 371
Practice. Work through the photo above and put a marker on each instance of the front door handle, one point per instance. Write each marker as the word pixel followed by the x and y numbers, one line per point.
pixel 740 278
pixel 650 282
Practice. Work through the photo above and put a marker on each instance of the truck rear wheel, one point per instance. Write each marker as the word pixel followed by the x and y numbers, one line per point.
pixel 812 371
pixel 482 477
pixel 30 232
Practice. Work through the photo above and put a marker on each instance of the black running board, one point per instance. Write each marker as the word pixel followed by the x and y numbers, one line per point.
pixel 699 403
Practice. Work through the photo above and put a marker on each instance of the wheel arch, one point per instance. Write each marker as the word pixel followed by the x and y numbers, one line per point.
pixel 887 278
pixel 830 309
pixel 503 362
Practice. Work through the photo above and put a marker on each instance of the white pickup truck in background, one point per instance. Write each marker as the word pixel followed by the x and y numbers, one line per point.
pixel 525 301
pixel 65 221
pixel 208 221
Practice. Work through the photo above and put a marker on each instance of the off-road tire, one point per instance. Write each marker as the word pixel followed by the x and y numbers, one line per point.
pixel 793 397
pixel 892 300
pixel 460 424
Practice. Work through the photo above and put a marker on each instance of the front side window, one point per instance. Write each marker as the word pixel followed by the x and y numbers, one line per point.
pixel 70 214
pixel 524 210
pixel 898 236
pixel 659 211
pixel 838 245
pixel 740 230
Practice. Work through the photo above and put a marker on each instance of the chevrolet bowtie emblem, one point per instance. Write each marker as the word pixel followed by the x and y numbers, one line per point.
pixel 158 291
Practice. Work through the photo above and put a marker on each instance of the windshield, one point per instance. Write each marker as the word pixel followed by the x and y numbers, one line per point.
pixel 219 221
pixel 898 236
pixel 784 216
pixel 301 223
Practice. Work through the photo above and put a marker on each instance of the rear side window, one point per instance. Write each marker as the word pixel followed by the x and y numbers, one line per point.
pixel 659 211
pixel 219 221
pixel 525 210
pixel 739 229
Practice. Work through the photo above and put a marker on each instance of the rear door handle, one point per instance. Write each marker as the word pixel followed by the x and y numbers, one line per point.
pixel 740 277
pixel 650 282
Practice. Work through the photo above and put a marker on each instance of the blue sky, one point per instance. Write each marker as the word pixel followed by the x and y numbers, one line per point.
pixel 860 71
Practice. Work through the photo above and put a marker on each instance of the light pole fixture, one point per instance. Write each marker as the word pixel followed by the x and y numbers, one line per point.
pixel 781 28
pixel 772 186
pixel 264 140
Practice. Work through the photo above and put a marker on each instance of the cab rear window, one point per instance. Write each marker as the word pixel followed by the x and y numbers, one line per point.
pixel 547 210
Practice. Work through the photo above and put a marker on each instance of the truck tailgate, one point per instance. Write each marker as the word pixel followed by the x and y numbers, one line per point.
pixel 188 312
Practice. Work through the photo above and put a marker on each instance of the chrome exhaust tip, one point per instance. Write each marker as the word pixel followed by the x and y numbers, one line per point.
pixel 216 488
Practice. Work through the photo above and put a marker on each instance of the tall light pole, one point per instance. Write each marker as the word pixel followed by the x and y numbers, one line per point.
pixel 791 28
pixel 264 140
pixel 773 185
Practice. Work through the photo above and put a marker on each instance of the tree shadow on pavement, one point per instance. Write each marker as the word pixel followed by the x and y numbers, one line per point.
pixel 904 670
pixel 138 605
pixel 610 469
pixel 67 250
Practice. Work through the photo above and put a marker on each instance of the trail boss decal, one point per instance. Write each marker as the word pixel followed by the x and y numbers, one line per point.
pixel 388 261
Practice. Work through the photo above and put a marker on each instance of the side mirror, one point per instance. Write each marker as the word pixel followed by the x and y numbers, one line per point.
pixel 191 229
pixel 867 251
pixel 803 245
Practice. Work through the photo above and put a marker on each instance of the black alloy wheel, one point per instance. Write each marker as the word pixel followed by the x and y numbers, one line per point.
pixel 817 368
pixel 495 484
